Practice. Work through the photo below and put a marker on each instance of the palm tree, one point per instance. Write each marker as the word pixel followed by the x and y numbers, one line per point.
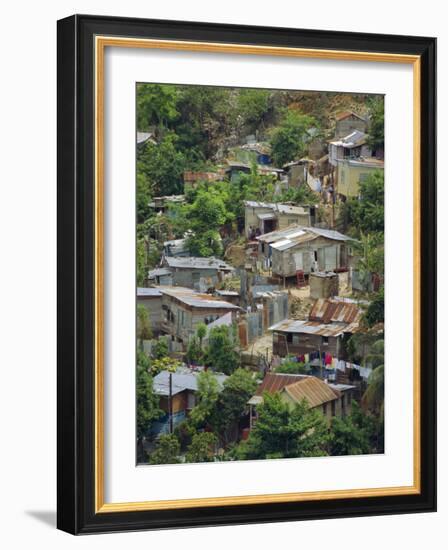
pixel 373 398
pixel 201 332
pixel 370 248
pixel 375 358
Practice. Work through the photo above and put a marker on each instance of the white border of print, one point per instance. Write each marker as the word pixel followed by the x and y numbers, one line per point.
pixel 124 482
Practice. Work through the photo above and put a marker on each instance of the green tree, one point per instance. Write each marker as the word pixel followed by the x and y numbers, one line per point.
pixel 289 139
pixel 160 348
pixel 366 213
pixel 162 165
pixel 232 403
pixel 156 105
pixel 207 214
pixel 221 354
pixel 206 115
pixel 144 331
pixel 201 333
pixel 301 195
pixel 142 268
pixel 164 364
pixel 375 358
pixel 143 197
pixel 350 435
pixel 285 432
pixel 376 126
pixel 167 450
pixel 253 106
pixel 194 350
pixel 201 448
pixel 370 251
pixel 147 401
pixel 289 366
pixel 373 398
pixel 206 398
pixel 375 310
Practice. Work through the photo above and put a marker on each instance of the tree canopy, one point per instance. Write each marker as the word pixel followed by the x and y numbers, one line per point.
pixel 147 401
pixel 167 450
pixel 285 432
pixel 221 354
pixel 366 213
pixel 376 126
pixel 289 139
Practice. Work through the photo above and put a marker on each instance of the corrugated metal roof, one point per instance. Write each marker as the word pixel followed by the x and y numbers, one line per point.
pixel 295 240
pixel 198 263
pixel 277 207
pixel 298 234
pixel 342 387
pixel 330 310
pixel 353 139
pixel 195 299
pixel 145 136
pixel 329 234
pixel 183 379
pixel 310 327
pixel 274 382
pixel 328 317
pixel 367 162
pixel 283 244
pixel 346 114
pixel 280 234
pixel 259 291
pixel 148 292
pixel 315 391
pixel 159 272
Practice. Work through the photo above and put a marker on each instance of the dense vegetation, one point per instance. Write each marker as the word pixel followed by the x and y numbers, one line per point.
pixel 196 128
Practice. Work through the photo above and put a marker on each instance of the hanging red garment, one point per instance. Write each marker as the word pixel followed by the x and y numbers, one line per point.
pixel 328 359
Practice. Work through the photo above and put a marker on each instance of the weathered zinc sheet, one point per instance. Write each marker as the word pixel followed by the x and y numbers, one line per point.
pixel 315 391
pixel 331 310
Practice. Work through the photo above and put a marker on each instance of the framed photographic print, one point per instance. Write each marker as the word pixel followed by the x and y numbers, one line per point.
pixel 246 274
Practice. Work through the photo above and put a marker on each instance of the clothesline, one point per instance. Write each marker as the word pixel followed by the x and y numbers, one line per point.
pixel 326 360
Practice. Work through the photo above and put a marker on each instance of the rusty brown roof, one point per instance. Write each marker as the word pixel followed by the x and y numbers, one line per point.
pixel 314 390
pixel 331 310
pixel 296 326
pixel 345 114
pixel 274 382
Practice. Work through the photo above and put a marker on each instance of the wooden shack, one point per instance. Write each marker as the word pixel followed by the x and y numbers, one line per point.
pixel 184 309
pixel 330 399
pixel 323 284
pixel 348 121
pixel 151 299
pixel 308 249
pixel 196 273
pixel 263 217
pixel 328 323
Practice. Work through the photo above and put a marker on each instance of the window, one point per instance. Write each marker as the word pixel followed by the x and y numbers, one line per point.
pixel 289 337
pixel 333 408
pixel 325 340
pixel 324 409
